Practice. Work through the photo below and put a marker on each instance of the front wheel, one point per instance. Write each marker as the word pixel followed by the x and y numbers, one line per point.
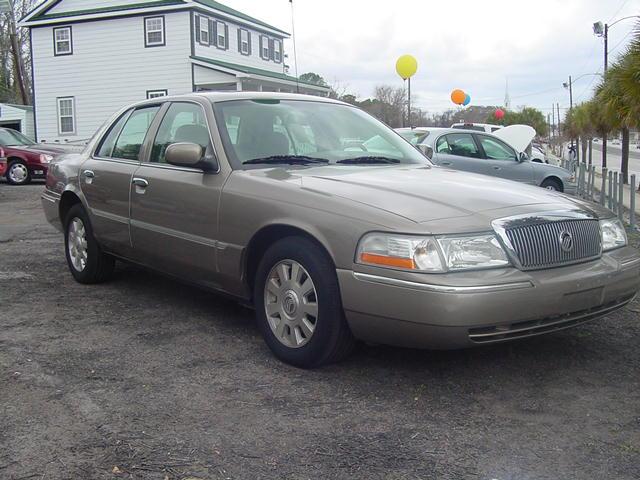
pixel 551 184
pixel 18 173
pixel 87 262
pixel 298 306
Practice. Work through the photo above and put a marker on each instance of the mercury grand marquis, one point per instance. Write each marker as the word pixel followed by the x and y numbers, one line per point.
pixel 281 201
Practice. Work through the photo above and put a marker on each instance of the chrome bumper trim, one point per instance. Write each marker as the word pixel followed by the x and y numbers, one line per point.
pixel 429 287
pixel 630 263
pixel 50 197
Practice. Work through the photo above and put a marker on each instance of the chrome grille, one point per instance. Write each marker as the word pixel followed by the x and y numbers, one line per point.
pixel 539 245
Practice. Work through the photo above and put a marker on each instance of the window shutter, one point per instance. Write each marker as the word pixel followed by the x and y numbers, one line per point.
pixel 271 48
pixel 197 18
pixel 226 36
pixel 213 39
pixel 249 41
pixel 261 39
pixel 240 40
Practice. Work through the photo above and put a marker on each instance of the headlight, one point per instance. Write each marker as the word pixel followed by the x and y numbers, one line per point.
pixel 44 158
pixel 431 254
pixel 613 234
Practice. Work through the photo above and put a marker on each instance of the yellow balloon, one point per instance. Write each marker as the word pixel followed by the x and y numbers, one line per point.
pixel 406 66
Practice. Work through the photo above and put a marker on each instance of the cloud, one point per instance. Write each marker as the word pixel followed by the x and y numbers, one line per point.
pixel 466 44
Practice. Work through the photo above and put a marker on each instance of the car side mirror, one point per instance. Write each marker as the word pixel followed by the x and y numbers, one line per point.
pixel 523 157
pixel 191 155
pixel 426 150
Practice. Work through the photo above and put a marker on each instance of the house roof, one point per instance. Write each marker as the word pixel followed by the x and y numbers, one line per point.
pixel 42 8
pixel 28 108
pixel 256 71
pixel 116 8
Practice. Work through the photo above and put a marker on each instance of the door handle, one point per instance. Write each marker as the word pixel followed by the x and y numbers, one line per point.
pixel 140 182
pixel 495 167
pixel 89 174
pixel 445 163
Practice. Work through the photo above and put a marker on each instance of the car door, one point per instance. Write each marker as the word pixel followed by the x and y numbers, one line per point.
pixel 458 151
pixel 105 178
pixel 501 160
pixel 174 209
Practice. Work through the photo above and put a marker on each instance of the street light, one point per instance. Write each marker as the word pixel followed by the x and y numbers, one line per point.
pixel 601 30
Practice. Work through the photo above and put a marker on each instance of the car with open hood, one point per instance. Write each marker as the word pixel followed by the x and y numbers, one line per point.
pixel 332 227
pixel 502 154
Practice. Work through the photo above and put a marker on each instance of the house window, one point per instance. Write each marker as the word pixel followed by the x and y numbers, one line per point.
pixel 62 41
pixel 154 31
pixel 221 32
pixel 203 28
pixel 156 93
pixel 264 47
pixel 245 48
pixel 277 51
pixel 66 115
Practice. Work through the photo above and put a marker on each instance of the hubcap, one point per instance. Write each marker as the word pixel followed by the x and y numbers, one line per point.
pixel 291 303
pixel 551 187
pixel 77 244
pixel 18 173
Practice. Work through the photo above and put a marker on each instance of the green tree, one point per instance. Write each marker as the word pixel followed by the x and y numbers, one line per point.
pixel 313 78
pixel 527 116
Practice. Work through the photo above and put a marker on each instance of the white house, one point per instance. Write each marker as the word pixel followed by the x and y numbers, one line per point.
pixel 90 58
pixel 18 117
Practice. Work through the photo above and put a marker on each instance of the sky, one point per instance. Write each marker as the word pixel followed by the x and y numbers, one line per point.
pixel 471 45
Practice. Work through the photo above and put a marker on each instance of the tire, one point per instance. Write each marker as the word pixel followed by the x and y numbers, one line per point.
pixel 330 339
pixel 86 260
pixel 552 184
pixel 18 173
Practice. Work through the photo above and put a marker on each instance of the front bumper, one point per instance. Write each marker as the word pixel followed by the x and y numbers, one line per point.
pixel 472 308
pixel 570 188
pixel 3 166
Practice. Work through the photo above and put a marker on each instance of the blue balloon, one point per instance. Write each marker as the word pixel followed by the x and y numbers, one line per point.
pixel 467 100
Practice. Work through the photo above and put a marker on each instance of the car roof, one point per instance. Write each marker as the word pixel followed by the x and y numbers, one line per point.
pixel 216 97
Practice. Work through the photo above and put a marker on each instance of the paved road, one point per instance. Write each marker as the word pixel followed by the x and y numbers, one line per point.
pixel 153 379
pixel 614 157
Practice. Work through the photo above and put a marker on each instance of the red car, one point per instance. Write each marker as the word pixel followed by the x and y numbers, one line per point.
pixel 25 159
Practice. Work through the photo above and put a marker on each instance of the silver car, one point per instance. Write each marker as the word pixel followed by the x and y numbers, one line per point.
pixel 488 154
pixel 332 226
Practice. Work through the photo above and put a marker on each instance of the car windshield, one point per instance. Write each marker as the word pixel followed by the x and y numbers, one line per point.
pixel 260 133
pixel 10 138
pixel 413 137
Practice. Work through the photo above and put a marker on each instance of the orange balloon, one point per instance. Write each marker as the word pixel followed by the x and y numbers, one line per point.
pixel 458 96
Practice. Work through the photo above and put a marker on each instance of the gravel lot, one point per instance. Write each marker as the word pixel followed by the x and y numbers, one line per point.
pixel 144 377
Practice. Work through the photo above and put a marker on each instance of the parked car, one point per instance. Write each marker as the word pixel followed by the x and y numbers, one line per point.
pixel 537 154
pixel 25 158
pixel 501 154
pixel 478 127
pixel 615 141
pixel 332 244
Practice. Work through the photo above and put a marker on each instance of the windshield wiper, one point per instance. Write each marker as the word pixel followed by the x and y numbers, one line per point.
pixel 368 160
pixel 286 159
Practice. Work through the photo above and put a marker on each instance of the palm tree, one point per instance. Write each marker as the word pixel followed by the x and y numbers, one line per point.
pixel 583 127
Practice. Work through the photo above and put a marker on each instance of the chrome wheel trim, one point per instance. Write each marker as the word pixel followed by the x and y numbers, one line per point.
pixel 77 244
pixel 18 172
pixel 551 187
pixel 291 303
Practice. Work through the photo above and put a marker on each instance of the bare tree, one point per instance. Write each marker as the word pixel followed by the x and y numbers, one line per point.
pixel 15 55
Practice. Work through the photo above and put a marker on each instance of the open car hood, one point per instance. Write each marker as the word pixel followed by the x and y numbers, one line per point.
pixel 518 136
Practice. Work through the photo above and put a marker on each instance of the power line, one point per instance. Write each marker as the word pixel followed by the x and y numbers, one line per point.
pixel 618 11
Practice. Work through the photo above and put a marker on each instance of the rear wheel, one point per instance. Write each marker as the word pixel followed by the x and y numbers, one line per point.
pixel 298 306
pixel 552 184
pixel 18 173
pixel 87 262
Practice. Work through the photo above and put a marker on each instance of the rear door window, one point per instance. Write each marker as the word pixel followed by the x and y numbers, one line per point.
pixel 133 133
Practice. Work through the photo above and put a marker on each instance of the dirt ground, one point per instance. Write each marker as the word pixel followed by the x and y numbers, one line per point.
pixel 144 377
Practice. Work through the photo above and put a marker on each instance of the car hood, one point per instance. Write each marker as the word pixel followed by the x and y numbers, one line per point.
pixel 421 193
pixel 518 136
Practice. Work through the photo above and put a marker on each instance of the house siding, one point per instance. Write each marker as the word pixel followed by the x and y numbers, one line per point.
pixel 232 54
pixel 110 68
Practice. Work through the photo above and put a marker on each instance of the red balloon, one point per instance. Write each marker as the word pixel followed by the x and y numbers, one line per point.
pixel 499 113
